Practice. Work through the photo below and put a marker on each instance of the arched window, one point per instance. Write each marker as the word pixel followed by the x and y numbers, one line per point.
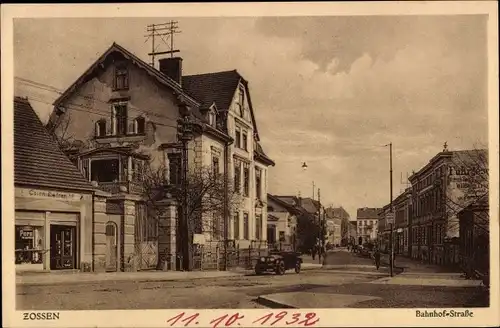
pixel 140 125
pixel 111 232
pixel 100 128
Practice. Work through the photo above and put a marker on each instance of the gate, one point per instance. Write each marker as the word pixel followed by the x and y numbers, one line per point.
pixel 146 238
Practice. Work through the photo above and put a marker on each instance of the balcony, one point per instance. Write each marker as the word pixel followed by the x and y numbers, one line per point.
pixel 121 187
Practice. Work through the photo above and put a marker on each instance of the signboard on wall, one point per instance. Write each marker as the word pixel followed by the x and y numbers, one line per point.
pixel 48 194
pixel 389 218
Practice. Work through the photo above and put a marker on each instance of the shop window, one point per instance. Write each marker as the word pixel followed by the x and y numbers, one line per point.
pixel 104 170
pixel 29 244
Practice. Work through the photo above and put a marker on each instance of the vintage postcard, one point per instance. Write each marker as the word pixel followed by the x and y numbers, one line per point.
pixel 250 165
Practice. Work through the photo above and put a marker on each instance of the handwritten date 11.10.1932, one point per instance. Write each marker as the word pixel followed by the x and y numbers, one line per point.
pixel 282 318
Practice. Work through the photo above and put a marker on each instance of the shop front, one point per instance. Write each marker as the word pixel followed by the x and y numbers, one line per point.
pixel 52 229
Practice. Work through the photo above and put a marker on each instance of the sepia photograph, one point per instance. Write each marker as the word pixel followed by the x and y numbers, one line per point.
pixel 259 162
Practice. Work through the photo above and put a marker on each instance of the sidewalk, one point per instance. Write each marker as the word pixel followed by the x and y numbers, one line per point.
pixel 58 278
pixel 53 278
pixel 415 273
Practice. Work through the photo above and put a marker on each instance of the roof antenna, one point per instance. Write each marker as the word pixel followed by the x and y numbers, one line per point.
pixel 157 30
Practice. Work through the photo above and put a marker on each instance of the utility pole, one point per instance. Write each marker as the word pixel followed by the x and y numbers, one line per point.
pixel 313 191
pixel 184 135
pixel 165 32
pixel 391 259
pixel 320 236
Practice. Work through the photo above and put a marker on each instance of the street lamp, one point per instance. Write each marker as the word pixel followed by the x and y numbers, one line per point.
pixel 304 166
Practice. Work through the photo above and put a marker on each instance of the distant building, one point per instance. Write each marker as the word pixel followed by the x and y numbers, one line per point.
pixel 337 225
pixel 281 221
pixel 367 224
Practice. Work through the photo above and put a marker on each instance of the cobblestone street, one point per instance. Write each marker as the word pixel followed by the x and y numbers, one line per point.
pixel 349 274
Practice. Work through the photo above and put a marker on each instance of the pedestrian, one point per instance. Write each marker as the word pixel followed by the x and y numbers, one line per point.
pixel 376 256
pixel 313 252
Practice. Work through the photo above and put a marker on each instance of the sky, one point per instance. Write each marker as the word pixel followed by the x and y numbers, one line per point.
pixel 327 91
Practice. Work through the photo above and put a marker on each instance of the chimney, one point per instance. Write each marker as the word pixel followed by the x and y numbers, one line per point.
pixel 172 67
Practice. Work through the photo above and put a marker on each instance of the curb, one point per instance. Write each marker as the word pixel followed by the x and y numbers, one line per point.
pixel 270 303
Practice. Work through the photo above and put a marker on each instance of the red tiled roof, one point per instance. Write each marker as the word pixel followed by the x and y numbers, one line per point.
pixel 207 88
pixel 38 160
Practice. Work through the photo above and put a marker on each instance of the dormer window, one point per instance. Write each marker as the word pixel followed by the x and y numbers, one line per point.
pixel 121 77
pixel 140 125
pixel 100 128
pixel 241 100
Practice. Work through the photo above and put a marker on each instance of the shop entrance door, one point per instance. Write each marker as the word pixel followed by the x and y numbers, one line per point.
pixel 62 247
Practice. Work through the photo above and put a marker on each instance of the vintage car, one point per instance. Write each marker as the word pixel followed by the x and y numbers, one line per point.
pixel 278 262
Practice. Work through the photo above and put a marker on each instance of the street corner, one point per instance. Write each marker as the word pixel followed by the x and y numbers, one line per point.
pixel 312 300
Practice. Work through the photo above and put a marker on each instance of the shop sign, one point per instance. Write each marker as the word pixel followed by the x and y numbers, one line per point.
pixel 26 233
pixel 36 193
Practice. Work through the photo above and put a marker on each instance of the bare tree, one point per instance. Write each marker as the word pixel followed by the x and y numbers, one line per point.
pixel 205 197
pixel 469 184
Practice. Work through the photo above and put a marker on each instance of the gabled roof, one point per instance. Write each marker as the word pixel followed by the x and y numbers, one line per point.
pixel 38 160
pixel 209 88
pixel 160 77
pixel 337 212
pixel 310 205
pixel 368 213
pixel 287 204
pixel 218 88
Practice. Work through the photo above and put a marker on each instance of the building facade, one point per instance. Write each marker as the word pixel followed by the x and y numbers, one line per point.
pixel 440 190
pixel 53 202
pixel 367 224
pixel 118 122
pixel 282 223
pixel 402 217
pixel 337 225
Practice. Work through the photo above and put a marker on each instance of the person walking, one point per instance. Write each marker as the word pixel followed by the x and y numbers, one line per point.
pixel 313 252
pixel 376 256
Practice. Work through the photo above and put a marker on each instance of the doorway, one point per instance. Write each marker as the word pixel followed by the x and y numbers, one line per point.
pixel 62 247
pixel 111 247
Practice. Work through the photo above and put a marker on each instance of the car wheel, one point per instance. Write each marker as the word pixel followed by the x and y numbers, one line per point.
pixel 297 267
pixel 280 269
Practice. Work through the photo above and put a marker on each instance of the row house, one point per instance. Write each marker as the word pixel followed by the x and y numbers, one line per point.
pixel 367 224
pixel 402 217
pixel 427 215
pixel 384 229
pixel 440 190
pixel 118 122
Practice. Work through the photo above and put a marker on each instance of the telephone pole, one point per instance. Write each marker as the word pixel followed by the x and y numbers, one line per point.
pixel 391 258
pixel 165 32
pixel 321 234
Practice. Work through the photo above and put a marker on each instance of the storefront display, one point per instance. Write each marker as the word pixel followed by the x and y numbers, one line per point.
pixel 29 244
